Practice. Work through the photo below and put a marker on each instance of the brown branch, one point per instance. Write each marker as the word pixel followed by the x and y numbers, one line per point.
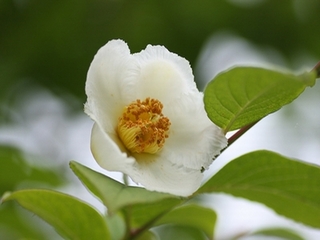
pixel 238 134
pixel 317 69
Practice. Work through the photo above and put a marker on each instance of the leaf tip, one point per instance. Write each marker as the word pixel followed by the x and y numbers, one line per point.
pixel 72 164
pixel 5 197
pixel 310 77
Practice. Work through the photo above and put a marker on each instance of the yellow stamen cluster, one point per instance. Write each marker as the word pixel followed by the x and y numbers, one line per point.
pixel 142 126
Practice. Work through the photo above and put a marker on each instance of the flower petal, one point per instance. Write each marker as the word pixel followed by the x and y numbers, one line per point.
pixel 115 79
pixel 160 74
pixel 106 81
pixel 108 151
pixel 193 140
pixel 159 174
pixel 152 171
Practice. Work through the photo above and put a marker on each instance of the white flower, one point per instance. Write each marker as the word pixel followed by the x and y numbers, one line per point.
pixel 150 121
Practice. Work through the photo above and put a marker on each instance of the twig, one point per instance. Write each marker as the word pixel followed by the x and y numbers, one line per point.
pixel 317 69
pixel 238 134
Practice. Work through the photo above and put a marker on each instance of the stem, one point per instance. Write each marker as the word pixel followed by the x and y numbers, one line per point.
pixel 125 179
pixel 239 133
pixel 317 69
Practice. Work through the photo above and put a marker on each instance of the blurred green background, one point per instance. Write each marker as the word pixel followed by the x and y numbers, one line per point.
pixel 53 42
pixel 46 47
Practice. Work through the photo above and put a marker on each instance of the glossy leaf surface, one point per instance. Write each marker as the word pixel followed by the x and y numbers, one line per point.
pixel 194 216
pixel 243 95
pixel 289 187
pixel 141 215
pixel 71 217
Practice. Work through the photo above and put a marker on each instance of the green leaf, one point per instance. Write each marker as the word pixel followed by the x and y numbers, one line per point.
pixel 283 233
pixel 289 187
pixel 116 225
pixel 114 194
pixel 14 225
pixel 140 207
pixel 71 217
pixel 243 95
pixel 180 232
pixel 15 171
pixel 147 235
pixel 144 215
pixel 192 216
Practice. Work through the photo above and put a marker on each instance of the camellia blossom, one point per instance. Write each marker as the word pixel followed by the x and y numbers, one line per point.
pixel 149 116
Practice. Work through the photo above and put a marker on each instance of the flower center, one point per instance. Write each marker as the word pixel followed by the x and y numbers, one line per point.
pixel 142 126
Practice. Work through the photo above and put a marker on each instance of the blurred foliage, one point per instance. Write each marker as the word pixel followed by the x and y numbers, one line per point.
pixel 53 42
pixel 15 173
pixel 279 232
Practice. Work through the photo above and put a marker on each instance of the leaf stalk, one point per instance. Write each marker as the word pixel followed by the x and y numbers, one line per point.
pixel 317 69
pixel 238 134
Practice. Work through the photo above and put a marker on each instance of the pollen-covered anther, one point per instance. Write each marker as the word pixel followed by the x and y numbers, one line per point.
pixel 142 127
